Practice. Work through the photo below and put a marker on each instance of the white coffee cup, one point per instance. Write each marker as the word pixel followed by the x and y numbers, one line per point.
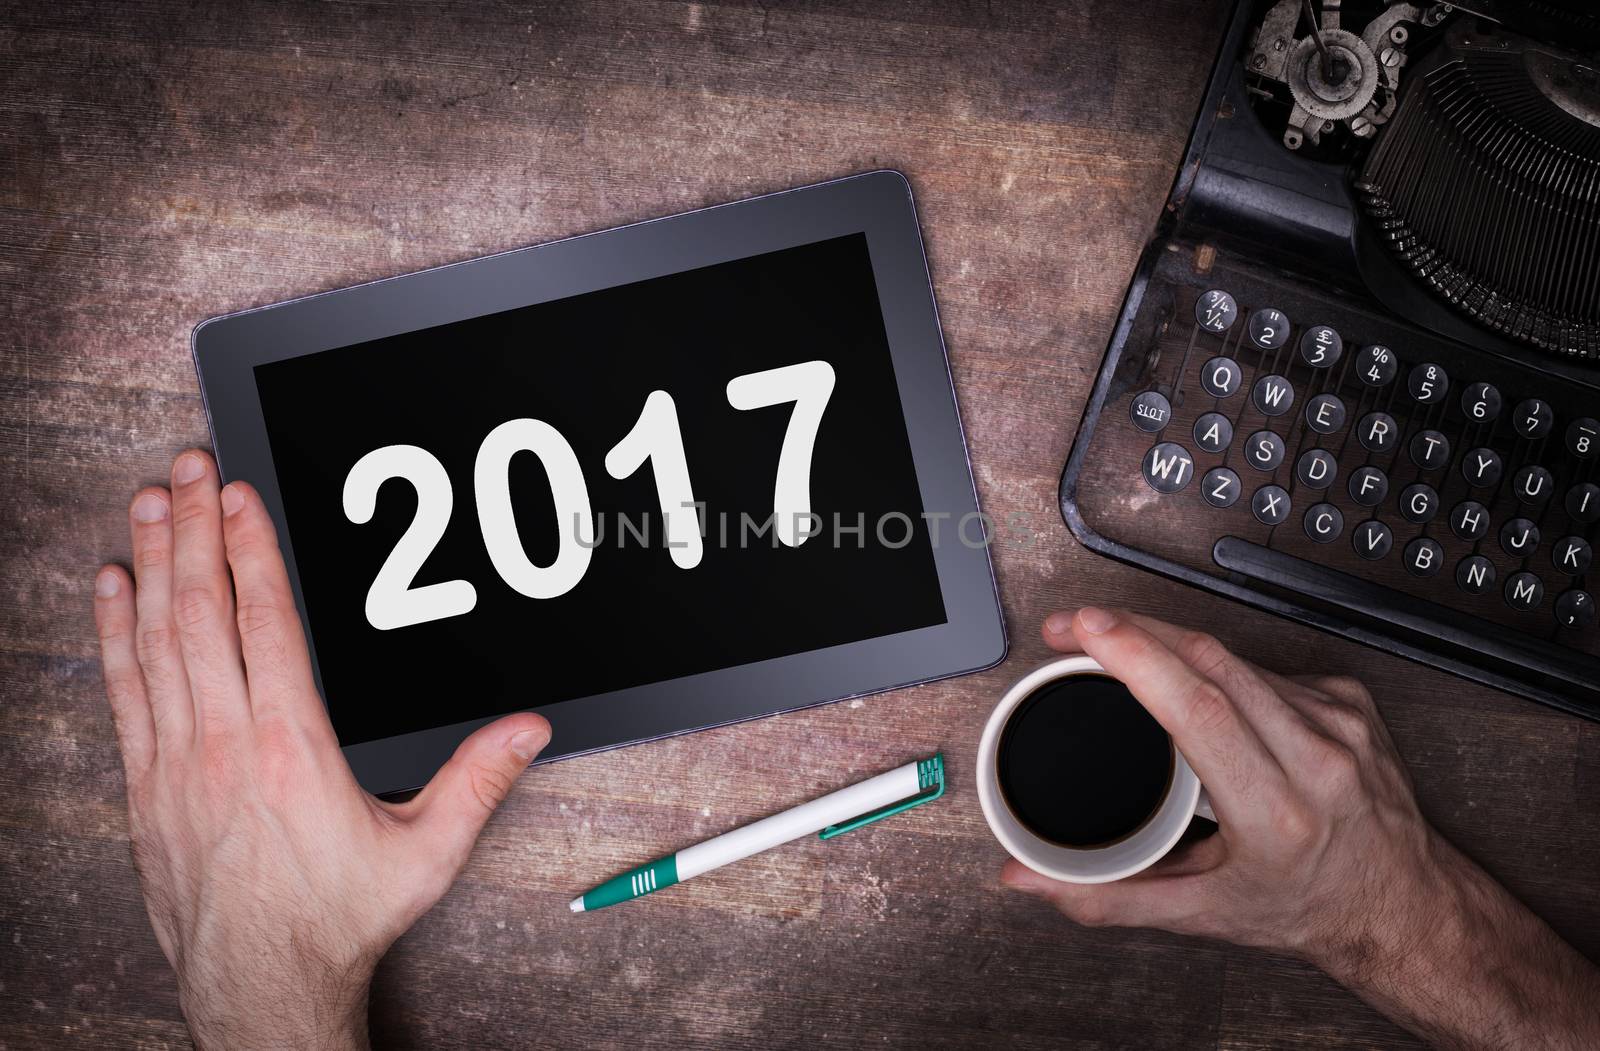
pixel 1149 843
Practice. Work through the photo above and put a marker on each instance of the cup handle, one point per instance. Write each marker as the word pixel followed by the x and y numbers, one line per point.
pixel 1202 806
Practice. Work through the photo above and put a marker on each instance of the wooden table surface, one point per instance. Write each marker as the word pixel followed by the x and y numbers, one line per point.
pixel 163 162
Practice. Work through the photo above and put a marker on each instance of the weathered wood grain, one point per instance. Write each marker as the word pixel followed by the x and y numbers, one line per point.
pixel 161 162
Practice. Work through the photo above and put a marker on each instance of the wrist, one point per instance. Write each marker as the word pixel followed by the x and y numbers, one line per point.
pixel 291 1011
pixel 1422 911
pixel 1453 957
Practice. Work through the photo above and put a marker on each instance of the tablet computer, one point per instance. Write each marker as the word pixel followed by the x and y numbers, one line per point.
pixel 642 481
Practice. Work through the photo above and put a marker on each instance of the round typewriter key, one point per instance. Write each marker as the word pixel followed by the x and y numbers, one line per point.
pixel 1575 609
pixel 1519 538
pixel 1572 555
pixel 1316 469
pixel 1372 540
pixel 1321 347
pixel 1325 413
pixel 1168 467
pixel 1376 365
pixel 1524 591
pixel 1428 383
pixel 1480 402
pixel 1273 395
pixel 1532 484
pixel 1469 520
pixel 1368 486
pixel 1270 505
pixel 1419 503
pixel 1583 502
pixel 1474 574
pixel 1324 523
pixel 1220 487
pixel 1430 450
pixel 1212 432
pixel 1216 311
pixel 1532 418
pixel 1269 329
pixel 1220 377
pixel 1423 557
pixel 1582 435
pixel 1151 411
pixel 1264 450
pixel 1377 432
pixel 1481 467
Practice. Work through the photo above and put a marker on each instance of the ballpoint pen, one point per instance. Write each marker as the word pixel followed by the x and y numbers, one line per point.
pixel 832 815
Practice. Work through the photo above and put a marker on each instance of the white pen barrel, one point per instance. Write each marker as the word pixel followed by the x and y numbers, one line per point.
pixel 803 820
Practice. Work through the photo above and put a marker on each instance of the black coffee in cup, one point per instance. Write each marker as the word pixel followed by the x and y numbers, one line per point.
pixel 1081 763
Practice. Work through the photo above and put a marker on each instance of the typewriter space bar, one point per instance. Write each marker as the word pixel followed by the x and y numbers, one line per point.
pixel 1433 626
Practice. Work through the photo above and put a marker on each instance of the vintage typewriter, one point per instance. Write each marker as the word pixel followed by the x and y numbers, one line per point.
pixel 1356 377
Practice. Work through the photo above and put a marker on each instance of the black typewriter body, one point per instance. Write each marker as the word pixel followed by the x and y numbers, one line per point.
pixel 1356 377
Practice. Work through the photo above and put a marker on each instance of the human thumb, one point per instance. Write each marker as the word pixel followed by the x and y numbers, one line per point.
pixel 467 789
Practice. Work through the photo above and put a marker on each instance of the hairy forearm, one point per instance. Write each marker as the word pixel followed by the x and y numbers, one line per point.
pixel 319 1019
pixel 1461 963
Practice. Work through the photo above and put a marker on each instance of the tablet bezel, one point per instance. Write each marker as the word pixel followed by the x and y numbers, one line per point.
pixel 227 349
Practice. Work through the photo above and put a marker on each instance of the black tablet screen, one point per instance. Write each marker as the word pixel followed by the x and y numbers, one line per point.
pixel 684 474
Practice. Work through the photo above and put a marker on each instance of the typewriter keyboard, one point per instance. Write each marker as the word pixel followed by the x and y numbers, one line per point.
pixel 1289 442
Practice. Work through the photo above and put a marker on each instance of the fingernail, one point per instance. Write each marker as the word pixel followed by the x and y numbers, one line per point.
pixel 1059 623
pixel 149 508
pixel 106 584
pixel 1096 621
pixel 232 500
pixel 188 469
pixel 529 743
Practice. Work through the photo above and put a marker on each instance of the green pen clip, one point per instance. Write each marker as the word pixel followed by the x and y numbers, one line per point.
pixel 930 779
